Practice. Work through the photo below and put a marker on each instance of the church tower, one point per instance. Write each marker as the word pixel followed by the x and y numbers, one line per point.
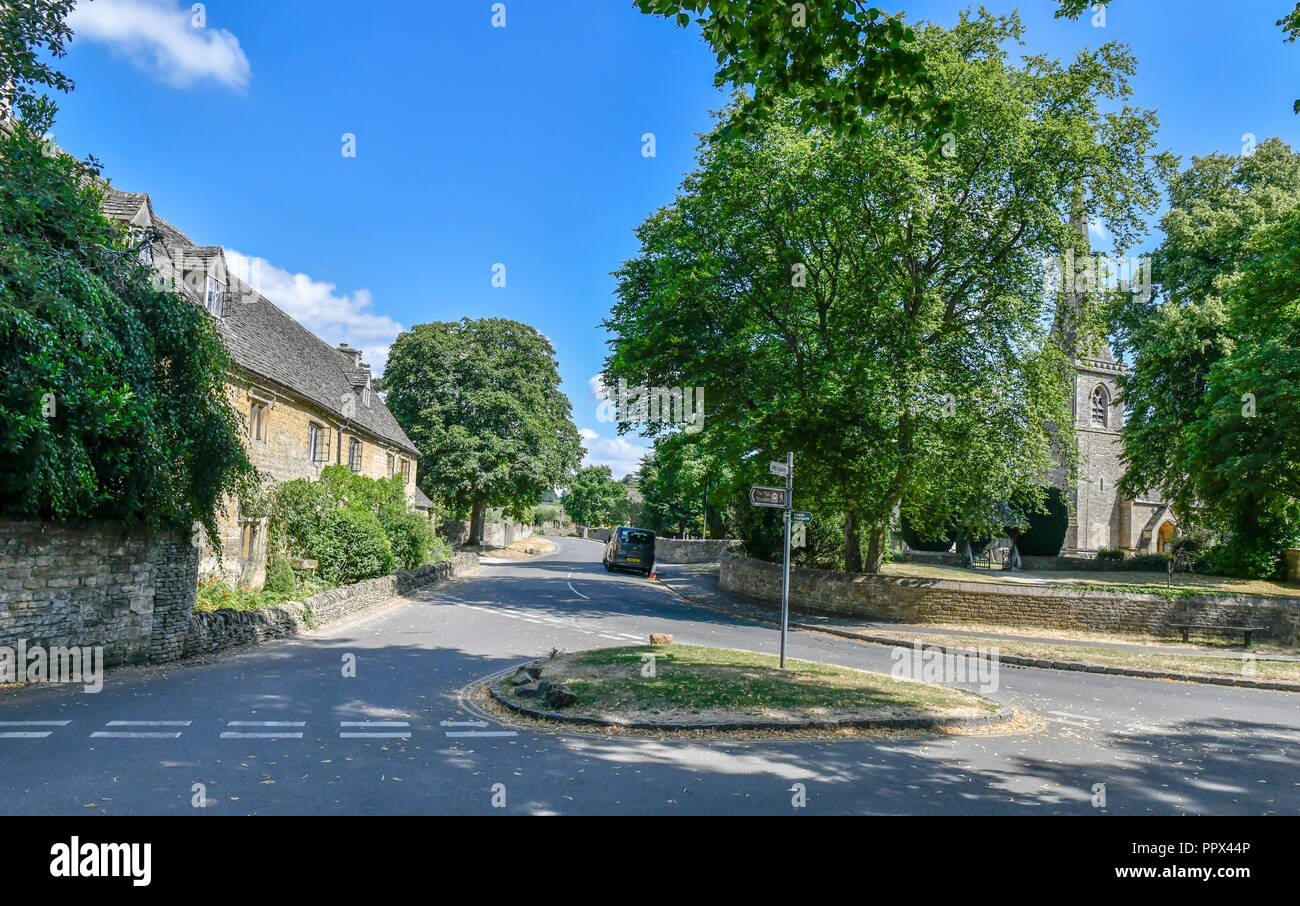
pixel 1100 517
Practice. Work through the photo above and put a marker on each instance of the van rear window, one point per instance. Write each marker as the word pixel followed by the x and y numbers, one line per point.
pixel 628 536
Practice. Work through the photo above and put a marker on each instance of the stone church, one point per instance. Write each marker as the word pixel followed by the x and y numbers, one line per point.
pixel 1100 517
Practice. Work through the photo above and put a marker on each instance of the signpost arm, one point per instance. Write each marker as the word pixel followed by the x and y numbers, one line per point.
pixel 785 570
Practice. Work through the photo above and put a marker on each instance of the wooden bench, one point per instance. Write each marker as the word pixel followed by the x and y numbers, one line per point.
pixel 1246 631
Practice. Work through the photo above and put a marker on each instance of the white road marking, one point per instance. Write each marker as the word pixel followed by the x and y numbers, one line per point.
pixel 375 729
pixel 1075 716
pixel 30 734
pixel 140 734
pixel 576 592
pixel 264 733
pixel 481 733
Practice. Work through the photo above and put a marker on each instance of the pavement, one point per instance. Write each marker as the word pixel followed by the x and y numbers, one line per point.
pixel 282 728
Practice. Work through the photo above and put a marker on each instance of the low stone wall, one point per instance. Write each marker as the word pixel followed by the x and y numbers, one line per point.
pixel 209 631
pixel 690 550
pixel 504 534
pixel 94 584
pixel 495 534
pixel 1049 607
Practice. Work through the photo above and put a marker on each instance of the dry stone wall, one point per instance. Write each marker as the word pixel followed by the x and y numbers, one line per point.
pixel 1049 607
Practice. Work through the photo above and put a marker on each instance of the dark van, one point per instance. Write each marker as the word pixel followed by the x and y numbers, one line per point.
pixel 631 549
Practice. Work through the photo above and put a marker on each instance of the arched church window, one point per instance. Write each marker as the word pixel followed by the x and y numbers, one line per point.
pixel 1100 406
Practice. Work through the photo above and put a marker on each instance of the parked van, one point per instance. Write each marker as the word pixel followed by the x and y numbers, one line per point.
pixel 631 549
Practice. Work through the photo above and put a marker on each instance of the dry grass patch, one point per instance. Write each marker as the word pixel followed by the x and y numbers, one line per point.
pixel 715 685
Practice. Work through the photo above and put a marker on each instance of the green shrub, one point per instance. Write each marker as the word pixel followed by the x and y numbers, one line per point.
pixel 439 550
pixel 280 579
pixel 1110 554
pixel 350 546
pixel 1148 562
pixel 409 535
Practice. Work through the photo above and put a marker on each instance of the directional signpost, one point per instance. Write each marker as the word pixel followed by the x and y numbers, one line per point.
pixel 773 497
pixel 781 498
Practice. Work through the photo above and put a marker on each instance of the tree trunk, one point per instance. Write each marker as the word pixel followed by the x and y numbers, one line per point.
pixel 852 543
pixel 876 548
pixel 476 520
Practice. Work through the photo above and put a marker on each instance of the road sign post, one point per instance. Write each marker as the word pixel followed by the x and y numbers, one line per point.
pixel 785 569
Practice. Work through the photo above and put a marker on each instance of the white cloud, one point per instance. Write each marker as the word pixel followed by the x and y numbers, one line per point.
pixel 163 38
pixel 621 455
pixel 318 306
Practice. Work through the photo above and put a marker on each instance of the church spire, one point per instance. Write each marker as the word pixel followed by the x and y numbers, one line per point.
pixel 1078 282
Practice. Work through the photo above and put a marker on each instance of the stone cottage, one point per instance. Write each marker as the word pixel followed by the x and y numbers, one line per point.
pixel 304 404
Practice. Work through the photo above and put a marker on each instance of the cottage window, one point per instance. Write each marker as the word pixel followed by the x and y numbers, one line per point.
pixel 247 539
pixel 391 461
pixel 318 443
pixel 354 455
pixel 257 421
pixel 406 471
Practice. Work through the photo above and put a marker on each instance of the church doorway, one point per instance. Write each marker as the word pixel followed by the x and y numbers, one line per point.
pixel 1165 538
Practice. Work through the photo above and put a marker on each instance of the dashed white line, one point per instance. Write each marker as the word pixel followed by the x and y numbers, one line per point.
pixel 141 734
pixel 375 729
pixel 482 733
pixel 30 734
pixel 268 730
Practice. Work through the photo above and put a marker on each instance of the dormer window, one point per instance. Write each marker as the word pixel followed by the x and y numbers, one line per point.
pixel 365 397
pixel 212 296
pixel 1100 407
pixel 137 236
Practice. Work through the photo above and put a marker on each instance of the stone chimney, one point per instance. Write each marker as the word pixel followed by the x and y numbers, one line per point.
pixel 354 355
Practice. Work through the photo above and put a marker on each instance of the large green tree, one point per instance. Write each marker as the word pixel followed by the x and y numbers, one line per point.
pixel 1213 332
pixel 33 33
pixel 113 403
pixel 481 401
pixel 682 477
pixel 595 498
pixel 878 308
pixel 839 60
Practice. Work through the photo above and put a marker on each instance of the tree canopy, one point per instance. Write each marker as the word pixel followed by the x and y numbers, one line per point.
pixel 595 498
pixel 114 401
pixel 1211 398
pixel 878 308
pixel 33 34
pixel 481 401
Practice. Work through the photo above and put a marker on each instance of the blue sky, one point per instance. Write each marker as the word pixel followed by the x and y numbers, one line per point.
pixel 519 145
